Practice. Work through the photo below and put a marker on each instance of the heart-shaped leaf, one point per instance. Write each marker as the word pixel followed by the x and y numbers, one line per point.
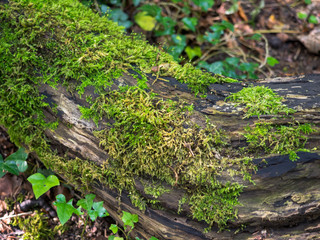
pixel 18 155
pixel 65 209
pixel 87 202
pixel 41 184
pixel 129 219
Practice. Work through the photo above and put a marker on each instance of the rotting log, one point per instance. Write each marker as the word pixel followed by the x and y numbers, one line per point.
pixel 285 192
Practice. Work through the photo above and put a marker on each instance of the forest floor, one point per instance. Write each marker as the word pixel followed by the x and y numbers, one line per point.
pixel 294 59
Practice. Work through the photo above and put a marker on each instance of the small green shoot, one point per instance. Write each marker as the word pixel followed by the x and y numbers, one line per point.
pixel 41 184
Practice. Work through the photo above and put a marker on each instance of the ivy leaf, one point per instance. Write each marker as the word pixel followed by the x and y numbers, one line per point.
pixel 87 202
pixel 114 228
pixel 18 155
pixel 145 21
pixel 41 184
pixel 9 166
pixel 168 26
pixel 216 67
pixel 193 52
pixel 152 10
pixel 136 2
pixel 153 238
pixel 178 39
pixel 190 23
pixel 272 61
pixel 313 19
pixel 65 209
pixel 98 210
pixel 204 4
pixel 129 219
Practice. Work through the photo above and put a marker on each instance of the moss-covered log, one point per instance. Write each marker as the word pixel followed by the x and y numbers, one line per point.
pixel 183 149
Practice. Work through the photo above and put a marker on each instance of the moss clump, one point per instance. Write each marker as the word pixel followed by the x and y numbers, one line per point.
pixel 260 100
pixel 279 139
pixel 36 227
pixel 61 42
pixel 153 138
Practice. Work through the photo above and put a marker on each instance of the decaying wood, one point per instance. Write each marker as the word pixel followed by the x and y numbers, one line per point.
pixel 286 193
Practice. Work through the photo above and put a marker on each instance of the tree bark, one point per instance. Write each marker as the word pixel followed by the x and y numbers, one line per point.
pixel 285 193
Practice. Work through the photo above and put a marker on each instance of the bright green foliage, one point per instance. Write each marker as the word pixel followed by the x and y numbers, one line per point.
pixel 279 139
pixel 41 184
pixel 65 209
pixel 94 209
pixel 230 68
pixel 260 100
pixel 129 219
pixel 272 61
pixel 190 23
pixel 204 4
pixel 15 163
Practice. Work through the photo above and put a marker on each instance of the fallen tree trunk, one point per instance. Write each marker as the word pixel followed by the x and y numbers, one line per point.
pixel 87 108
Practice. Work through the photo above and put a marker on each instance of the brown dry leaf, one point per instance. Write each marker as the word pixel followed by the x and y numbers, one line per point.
pixel 10 185
pixel 243 29
pixel 242 13
pixel 311 41
pixel 283 36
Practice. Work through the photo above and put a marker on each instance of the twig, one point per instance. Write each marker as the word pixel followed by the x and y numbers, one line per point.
pixel 16 215
pixel 96 4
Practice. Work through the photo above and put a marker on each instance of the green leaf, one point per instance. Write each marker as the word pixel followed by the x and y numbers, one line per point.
pixel 104 9
pixel 41 184
pixel 167 26
pixel 145 21
pixel 193 52
pixel 18 155
pixel 302 15
pixel 190 23
pixel 129 219
pixel 152 10
pixel 178 39
pixel 313 19
pixel 119 16
pixel 153 238
pixel 22 165
pixel 228 25
pixel 65 209
pixel 136 2
pixel 216 67
pixel 256 36
pixel 232 61
pixel 1 158
pixel 114 228
pixel 272 61
pixel 11 167
pixel 308 1
pixel 175 51
pixel 98 210
pixel 87 202
pixel 204 4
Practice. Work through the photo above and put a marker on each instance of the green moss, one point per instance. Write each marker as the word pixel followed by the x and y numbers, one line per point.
pixel 61 42
pixel 260 100
pixel 279 139
pixel 153 138
pixel 36 227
